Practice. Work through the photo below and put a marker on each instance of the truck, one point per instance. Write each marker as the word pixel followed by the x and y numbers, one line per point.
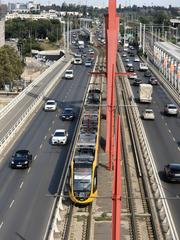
pixel 80 44
pixel 143 67
pixel 145 92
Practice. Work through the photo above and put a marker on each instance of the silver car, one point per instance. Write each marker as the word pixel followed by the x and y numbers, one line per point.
pixel 171 109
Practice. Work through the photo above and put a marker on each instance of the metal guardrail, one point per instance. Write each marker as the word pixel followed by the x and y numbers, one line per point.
pixel 5 140
pixel 162 207
pixel 20 96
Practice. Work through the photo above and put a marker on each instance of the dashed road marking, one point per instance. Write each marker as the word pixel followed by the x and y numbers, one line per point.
pixel 40 146
pixel 56 115
pixel 29 169
pixel 1 225
pixel 21 185
pixel 11 204
pixel 49 129
pixel 174 139
pixel 166 124
pixel 53 122
pixel 169 130
pixel 35 157
pixel 45 137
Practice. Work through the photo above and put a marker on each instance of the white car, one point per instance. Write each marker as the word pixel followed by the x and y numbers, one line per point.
pixel 129 64
pixel 124 55
pixel 69 74
pixel 50 105
pixel 127 60
pixel 136 59
pixel 171 109
pixel 148 114
pixel 77 61
pixel 59 137
pixel 88 63
pixel 133 76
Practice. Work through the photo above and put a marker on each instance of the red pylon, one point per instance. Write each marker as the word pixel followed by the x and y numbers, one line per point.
pixel 117 188
pixel 112 26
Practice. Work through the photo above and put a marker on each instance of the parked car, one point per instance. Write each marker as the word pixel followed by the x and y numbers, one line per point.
pixel 147 74
pixel 137 82
pixel 21 159
pixel 59 137
pixel 129 64
pixel 153 81
pixel 171 109
pixel 127 60
pixel 69 74
pixel 68 114
pixel 148 114
pixel 172 172
pixel 50 105
pixel 124 55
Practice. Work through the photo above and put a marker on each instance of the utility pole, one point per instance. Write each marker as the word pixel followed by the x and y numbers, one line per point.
pixel 152 35
pixel 144 29
pixel 140 36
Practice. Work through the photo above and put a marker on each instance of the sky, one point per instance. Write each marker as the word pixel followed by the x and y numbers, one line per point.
pixel 103 3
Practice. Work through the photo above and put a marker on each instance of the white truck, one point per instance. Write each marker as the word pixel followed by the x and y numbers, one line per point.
pixel 80 44
pixel 145 93
pixel 143 67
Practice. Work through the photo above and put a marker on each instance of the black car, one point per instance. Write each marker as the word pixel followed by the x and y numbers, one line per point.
pixel 172 172
pixel 131 54
pixel 21 159
pixel 137 82
pixel 131 69
pixel 68 114
pixel 147 74
pixel 153 81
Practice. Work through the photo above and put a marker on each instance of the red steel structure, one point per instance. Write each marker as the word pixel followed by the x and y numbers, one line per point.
pixel 112 27
pixel 116 194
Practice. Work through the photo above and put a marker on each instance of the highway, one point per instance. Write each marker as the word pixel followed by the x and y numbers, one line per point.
pixel 164 139
pixel 26 196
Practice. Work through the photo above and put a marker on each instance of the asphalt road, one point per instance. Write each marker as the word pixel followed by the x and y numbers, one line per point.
pixel 26 196
pixel 164 138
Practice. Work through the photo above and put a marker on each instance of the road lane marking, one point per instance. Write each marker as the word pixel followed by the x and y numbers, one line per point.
pixel 40 146
pixel 169 130
pixel 21 185
pixel 35 157
pixel 179 148
pixel 45 137
pixel 53 122
pixel 166 124
pixel 56 115
pixel 11 204
pixel 29 169
pixel 1 225
pixel 49 129
pixel 174 139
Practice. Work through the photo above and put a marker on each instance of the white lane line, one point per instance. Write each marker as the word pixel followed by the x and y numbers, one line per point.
pixel 40 146
pixel 11 204
pixel 29 169
pixel 166 124
pixel 35 157
pixel 174 139
pixel 53 122
pixel 169 130
pixel 1 225
pixel 45 137
pixel 21 185
pixel 179 148
pixel 56 115
pixel 49 129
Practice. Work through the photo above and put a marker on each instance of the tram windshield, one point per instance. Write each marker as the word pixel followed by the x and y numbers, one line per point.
pixel 82 177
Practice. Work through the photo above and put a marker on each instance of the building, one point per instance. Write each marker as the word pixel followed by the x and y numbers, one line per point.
pixel 167 59
pixel 2 32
